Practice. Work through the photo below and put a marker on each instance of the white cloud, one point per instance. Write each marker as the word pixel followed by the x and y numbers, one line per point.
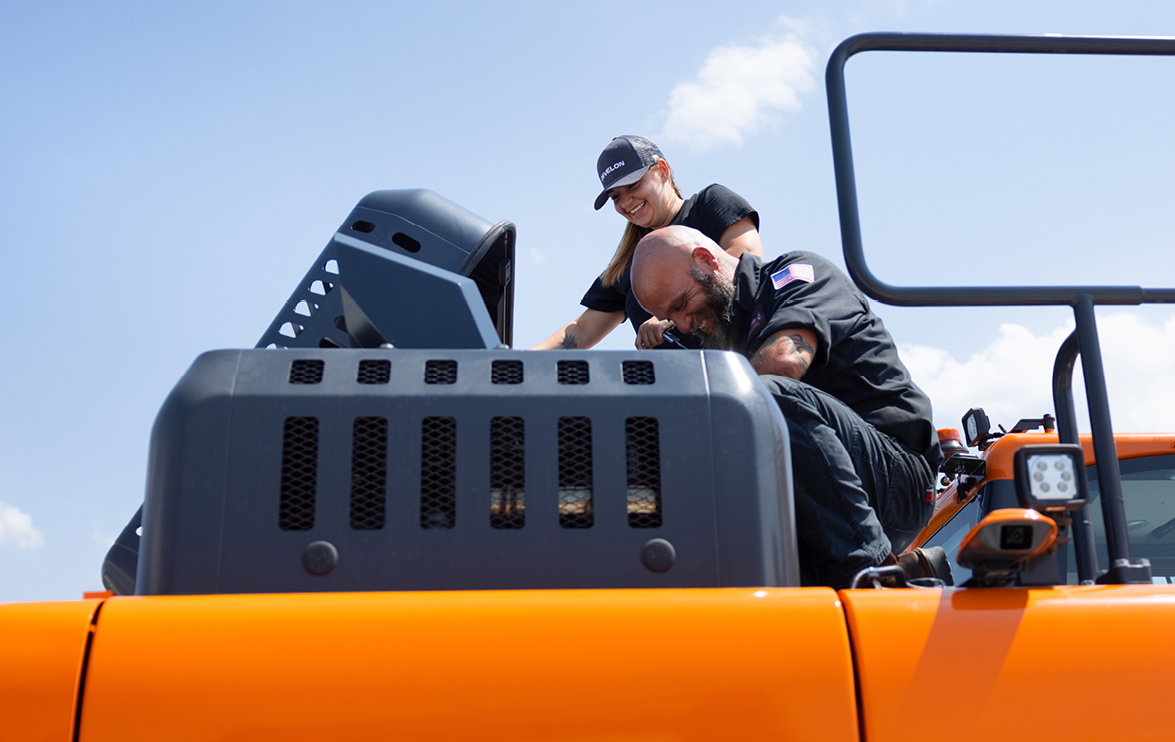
pixel 740 89
pixel 16 529
pixel 1012 378
pixel 537 257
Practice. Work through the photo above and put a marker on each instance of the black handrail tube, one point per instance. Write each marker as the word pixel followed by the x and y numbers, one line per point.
pixel 1086 556
pixel 1081 298
pixel 1105 453
pixel 846 188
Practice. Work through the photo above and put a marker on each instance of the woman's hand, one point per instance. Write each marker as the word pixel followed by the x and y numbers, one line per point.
pixel 652 333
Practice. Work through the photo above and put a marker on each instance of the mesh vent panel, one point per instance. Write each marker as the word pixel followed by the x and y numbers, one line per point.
pixel 573 372
pixel 374 372
pixel 506 372
pixel 299 474
pixel 507 473
pixel 440 372
pixel 642 443
pixel 438 472
pixel 306 371
pixel 369 472
pixel 575 473
pixel 638 372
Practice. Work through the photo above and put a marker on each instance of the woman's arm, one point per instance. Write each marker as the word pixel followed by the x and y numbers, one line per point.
pixel 741 237
pixel 590 328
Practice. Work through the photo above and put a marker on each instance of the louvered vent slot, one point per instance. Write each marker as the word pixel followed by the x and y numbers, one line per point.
pixel 576 509
pixel 299 482
pixel 438 472
pixel 573 372
pixel 638 372
pixel 642 442
pixel 507 472
pixel 369 472
pixel 374 372
pixel 306 371
pixel 440 372
pixel 506 372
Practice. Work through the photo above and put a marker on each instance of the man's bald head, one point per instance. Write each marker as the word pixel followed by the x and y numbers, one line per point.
pixel 673 272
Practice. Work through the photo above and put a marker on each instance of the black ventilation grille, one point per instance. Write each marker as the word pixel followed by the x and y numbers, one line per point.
pixel 507 472
pixel 575 473
pixel 440 372
pixel 306 371
pixel 299 474
pixel 369 473
pixel 573 372
pixel 642 443
pixel 506 372
pixel 374 372
pixel 638 372
pixel 438 472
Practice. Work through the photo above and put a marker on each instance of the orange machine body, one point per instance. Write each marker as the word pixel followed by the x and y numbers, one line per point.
pixel 587 664
pixel 781 663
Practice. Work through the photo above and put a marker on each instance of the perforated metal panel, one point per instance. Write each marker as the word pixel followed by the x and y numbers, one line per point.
pixel 507 472
pixel 642 444
pixel 639 372
pixel 574 372
pixel 440 372
pixel 369 472
pixel 507 372
pixel 576 509
pixel 374 372
pixel 299 475
pixel 438 471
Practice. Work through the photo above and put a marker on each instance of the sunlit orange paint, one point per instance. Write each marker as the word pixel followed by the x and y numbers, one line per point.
pixel 999 458
pixel 591 664
pixel 42 646
pixel 1014 663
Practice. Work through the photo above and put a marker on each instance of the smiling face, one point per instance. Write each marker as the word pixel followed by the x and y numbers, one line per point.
pixel 681 275
pixel 651 201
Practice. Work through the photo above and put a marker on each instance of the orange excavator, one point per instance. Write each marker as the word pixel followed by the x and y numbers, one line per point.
pixel 381 524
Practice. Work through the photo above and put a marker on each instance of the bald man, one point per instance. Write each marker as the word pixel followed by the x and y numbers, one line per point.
pixel 864 448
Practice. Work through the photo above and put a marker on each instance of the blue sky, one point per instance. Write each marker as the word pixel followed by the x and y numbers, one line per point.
pixel 171 170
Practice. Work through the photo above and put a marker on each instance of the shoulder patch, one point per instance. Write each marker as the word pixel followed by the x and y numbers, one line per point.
pixel 794 272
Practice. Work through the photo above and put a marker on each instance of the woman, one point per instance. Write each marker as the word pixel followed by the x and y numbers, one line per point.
pixel 638 180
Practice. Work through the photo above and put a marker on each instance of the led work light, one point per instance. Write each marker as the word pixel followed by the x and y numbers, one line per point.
pixel 1050 477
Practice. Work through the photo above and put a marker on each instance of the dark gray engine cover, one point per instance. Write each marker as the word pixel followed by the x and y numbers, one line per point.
pixel 308 470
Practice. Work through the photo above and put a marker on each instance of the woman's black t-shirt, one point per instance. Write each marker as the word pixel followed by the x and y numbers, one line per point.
pixel 710 211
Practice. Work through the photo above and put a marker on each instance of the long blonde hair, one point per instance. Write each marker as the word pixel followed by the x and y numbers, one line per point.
pixel 633 233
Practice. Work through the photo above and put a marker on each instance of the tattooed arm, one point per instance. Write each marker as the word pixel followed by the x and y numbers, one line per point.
pixel 590 328
pixel 786 353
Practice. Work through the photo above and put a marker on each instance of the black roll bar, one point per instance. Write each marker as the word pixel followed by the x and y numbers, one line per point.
pixel 1083 299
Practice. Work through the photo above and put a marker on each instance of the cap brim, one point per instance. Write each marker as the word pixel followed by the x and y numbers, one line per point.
pixel 627 180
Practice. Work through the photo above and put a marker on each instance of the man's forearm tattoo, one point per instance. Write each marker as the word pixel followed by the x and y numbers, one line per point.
pixel 798 347
pixel 568 341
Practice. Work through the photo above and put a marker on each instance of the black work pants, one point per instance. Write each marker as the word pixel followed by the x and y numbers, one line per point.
pixel 859 493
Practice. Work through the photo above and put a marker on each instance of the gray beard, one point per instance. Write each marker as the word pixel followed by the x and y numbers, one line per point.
pixel 718 311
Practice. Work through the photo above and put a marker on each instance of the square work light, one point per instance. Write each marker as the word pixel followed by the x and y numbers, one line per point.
pixel 1050 477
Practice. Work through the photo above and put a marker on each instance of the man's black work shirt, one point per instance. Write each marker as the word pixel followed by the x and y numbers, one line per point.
pixel 855 361
pixel 710 211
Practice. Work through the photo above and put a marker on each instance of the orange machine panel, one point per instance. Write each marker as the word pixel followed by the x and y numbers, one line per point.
pixel 42 648
pixel 520 665
pixel 1081 662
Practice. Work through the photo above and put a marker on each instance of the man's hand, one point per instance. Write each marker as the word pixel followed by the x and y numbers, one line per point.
pixel 652 333
pixel 786 353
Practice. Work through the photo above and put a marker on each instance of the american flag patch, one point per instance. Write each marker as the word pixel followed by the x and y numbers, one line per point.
pixel 794 272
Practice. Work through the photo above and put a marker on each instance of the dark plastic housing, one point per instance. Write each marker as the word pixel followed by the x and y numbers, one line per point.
pixel 313 470
pixel 398 257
